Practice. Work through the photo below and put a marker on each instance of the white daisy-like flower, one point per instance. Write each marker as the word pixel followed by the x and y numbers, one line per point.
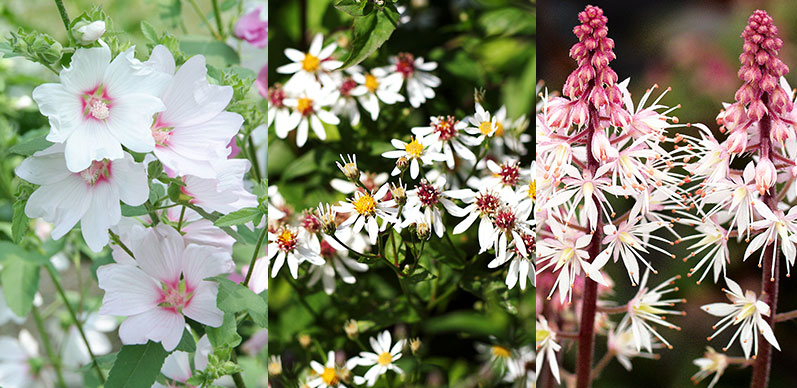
pixel 520 268
pixel 279 114
pixel 547 347
pixel 375 86
pixel 308 112
pixel 481 124
pixel 417 152
pixel 420 84
pixel 383 358
pixel 310 67
pixel 345 102
pixel 423 204
pixel 482 205
pixel 101 105
pixel 336 263
pixel 747 311
pixel 365 208
pixel 329 375
pixel 444 135
pixel 519 369
pixel 293 246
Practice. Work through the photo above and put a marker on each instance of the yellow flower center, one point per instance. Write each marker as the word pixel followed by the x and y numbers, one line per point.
pixel 499 129
pixel 414 148
pixel 310 63
pixel 626 238
pixel 500 351
pixel 330 377
pixel 371 83
pixel 541 335
pixel 305 106
pixel 533 190
pixel 486 128
pixel 385 359
pixel 365 205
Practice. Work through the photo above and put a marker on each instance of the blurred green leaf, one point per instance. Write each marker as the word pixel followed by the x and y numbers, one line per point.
pixel 370 32
pixel 149 31
pixel 31 144
pixel 137 366
pixel 20 279
pixel 354 7
pixel 19 221
pixel 210 48
pixel 187 343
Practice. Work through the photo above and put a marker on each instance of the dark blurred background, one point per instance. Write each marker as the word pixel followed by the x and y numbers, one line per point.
pixel 692 46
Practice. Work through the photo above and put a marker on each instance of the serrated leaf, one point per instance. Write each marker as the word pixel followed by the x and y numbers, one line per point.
pixel 20 279
pixel 370 32
pixel 149 31
pixel 354 7
pixel 226 334
pixel 137 366
pixel 19 223
pixel 234 298
pixel 31 145
pixel 239 217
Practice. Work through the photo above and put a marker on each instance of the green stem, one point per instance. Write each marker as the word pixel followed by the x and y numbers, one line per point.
pixel 253 158
pixel 180 222
pixel 64 18
pixel 260 240
pixel 369 255
pixel 236 377
pixel 213 218
pixel 57 283
pixel 55 360
pixel 198 11
pixel 218 17
pixel 115 238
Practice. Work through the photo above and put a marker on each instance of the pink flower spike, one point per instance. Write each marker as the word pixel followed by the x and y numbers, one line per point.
pixel 252 28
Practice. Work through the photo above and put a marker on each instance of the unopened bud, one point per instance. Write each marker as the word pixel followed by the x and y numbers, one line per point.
pixel 402 163
pixel 399 193
pixel 765 175
pixel 304 340
pixel 737 141
pixel 88 33
pixel 326 216
pixel 349 168
pixel 602 148
pixel 422 230
pixel 351 329
pixel 274 366
pixel 415 344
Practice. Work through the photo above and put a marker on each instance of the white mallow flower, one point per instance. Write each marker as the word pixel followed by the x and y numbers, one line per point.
pixel 177 366
pixel 746 311
pixel 336 262
pixel 166 285
pixel 89 33
pixel 194 130
pixel 308 112
pixel 74 352
pixel 420 84
pixel 547 347
pixel 445 136
pixel 15 363
pixel 375 86
pixel 382 358
pixel 310 67
pixel 416 152
pixel 100 106
pixel 293 246
pixel 90 196
pixel 365 208
pixel 225 193
pixel 259 281
pixel 424 205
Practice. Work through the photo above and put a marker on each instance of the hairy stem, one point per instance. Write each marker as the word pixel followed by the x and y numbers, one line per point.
pixel 62 294
pixel 586 331
pixel 64 18
pixel 770 272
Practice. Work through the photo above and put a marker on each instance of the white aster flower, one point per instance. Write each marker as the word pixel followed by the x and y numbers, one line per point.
pixel 100 106
pixel 336 262
pixel 373 87
pixel 90 196
pixel 445 136
pixel 417 152
pixel 423 204
pixel 382 358
pixel 420 84
pixel 292 246
pixel 481 124
pixel 330 375
pixel 310 67
pixel 308 112
pixel 746 311
pixel 365 208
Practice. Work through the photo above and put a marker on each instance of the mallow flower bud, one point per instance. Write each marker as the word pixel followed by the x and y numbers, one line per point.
pixel 88 33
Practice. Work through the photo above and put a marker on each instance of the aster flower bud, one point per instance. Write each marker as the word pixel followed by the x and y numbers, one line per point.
pixel 423 230
pixel 305 340
pixel 399 193
pixel 274 366
pixel 402 163
pixel 415 345
pixel 326 217
pixel 765 175
pixel 349 168
pixel 351 329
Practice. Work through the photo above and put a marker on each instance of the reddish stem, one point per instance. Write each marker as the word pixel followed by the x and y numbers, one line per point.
pixel 769 283
pixel 586 331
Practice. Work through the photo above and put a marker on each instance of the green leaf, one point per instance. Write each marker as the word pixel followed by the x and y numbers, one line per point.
pixel 20 279
pixel 354 7
pixel 149 31
pixel 226 334
pixel 187 343
pixel 239 217
pixel 170 11
pixel 234 298
pixel 137 366
pixel 370 32
pixel 31 145
pixel 210 48
pixel 304 165
pixel 131 211
pixel 19 223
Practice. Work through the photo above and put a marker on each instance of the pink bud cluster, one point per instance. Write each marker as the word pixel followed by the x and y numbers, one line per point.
pixel 761 94
pixel 593 81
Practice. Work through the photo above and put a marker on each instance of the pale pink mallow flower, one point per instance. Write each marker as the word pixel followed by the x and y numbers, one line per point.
pixel 90 196
pixel 253 28
pixel 195 129
pixel 226 192
pixel 259 281
pixel 177 366
pixel 16 358
pixel 100 106
pixel 262 81
pixel 166 284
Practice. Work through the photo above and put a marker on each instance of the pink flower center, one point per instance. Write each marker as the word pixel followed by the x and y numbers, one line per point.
pixel 428 194
pixel 310 222
pixel 276 95
pixel 287 240
pixel 98 171
pixel 347 86
pixel 487 203
pixel 509 173
pixel 327 251
pixel 405 65
pixel 175 297
pixel 96 104
pixel 445 127
pixel 505 219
